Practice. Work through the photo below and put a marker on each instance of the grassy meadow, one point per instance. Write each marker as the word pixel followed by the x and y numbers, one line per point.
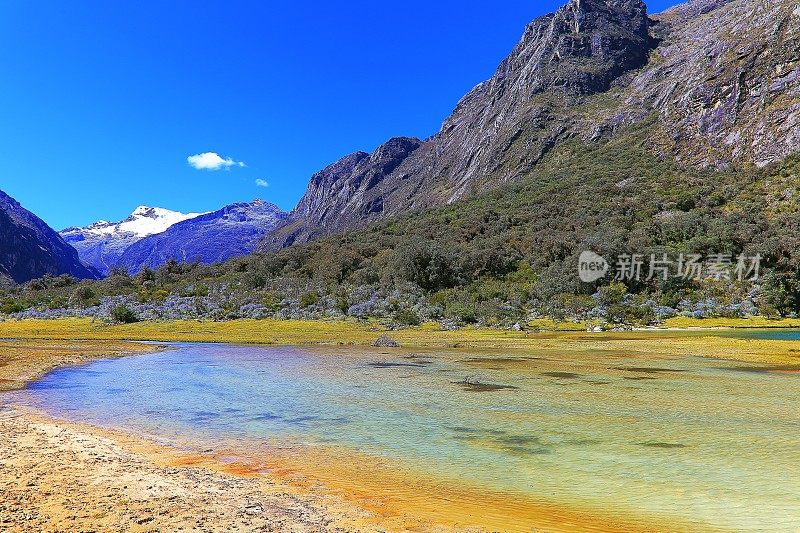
pixel 705 338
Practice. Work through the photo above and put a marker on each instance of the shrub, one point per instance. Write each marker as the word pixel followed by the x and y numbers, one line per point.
pixel 83 295
pixel 123 315
pixel 310 298
pixel 64 280
pixel 11 306
pixel 195 290
pixel 428 265
pixel 406 317
pixel 462 313
pixel 152 295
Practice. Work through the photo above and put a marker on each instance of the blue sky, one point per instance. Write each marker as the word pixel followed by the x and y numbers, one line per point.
pixel 102 101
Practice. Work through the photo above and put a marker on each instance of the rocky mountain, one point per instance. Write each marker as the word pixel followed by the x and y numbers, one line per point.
pixel 724 83
pixel 29 248
pixel 716 82
pixel 103 243
pixel 232 231
pixel 151 236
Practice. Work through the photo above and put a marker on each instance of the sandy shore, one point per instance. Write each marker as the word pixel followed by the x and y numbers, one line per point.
pixel 56 476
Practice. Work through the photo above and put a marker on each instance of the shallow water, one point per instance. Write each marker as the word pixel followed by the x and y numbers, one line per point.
pixel 767 334
pixel 689 439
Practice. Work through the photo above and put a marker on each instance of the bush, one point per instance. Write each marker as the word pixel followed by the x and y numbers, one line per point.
pixel 11 306
pixel 310 298
pixel 153 295
pixel 123 315
pixel 194 290
pixel 428 265
pixel 83 295
pixel 406 317
pixel 462 313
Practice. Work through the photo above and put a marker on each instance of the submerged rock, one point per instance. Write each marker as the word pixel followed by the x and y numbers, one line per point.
pixel 385 341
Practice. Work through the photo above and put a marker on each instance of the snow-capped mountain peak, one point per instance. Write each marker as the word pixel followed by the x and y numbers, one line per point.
pixel 103 243
pixel 151 236
pixel 142 222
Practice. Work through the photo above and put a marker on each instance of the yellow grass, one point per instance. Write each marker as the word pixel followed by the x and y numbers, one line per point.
pixel 274 332
pixel 303 332
pixel 652 343
pixel 240 331
pixel 753 322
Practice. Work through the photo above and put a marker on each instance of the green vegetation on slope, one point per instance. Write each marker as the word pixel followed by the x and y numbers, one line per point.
pixel 502 258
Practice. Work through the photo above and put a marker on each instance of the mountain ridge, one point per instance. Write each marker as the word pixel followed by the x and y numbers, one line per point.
pixel 584 72
pixel 233 231
pixel 30 249
pixel 103 243
pixel 611 38
pixel 151 236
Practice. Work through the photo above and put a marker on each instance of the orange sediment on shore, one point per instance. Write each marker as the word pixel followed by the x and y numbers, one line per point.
pixel 60 474
pixel 404 500
pixel 49 469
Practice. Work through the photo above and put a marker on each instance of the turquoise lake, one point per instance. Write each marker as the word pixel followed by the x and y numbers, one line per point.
pixel 709 442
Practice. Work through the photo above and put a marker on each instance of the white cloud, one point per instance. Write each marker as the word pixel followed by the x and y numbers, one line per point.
pixel 212 161
pixel 262 183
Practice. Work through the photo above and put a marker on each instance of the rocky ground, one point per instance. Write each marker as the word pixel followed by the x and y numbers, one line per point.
pixel 58 477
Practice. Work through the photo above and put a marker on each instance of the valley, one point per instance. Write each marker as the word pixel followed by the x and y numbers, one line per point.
pixel 574 306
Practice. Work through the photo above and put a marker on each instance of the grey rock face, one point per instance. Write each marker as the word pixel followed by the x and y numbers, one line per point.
pixel 725 82
pixel 346 193
pixel 29 248
pixel 719 79
pixel 577 51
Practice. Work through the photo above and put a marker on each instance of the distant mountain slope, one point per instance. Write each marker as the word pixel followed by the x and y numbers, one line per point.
pixel 230 232
pixel 717 81
pixel 29 248
pixel 102 244
pixel 497 131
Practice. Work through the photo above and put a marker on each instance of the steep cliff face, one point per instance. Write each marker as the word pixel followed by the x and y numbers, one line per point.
pixel 577 51
pixel 721 78
pixel 510 122
pixel 350 191
pixel 29 248
pixel 725 82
